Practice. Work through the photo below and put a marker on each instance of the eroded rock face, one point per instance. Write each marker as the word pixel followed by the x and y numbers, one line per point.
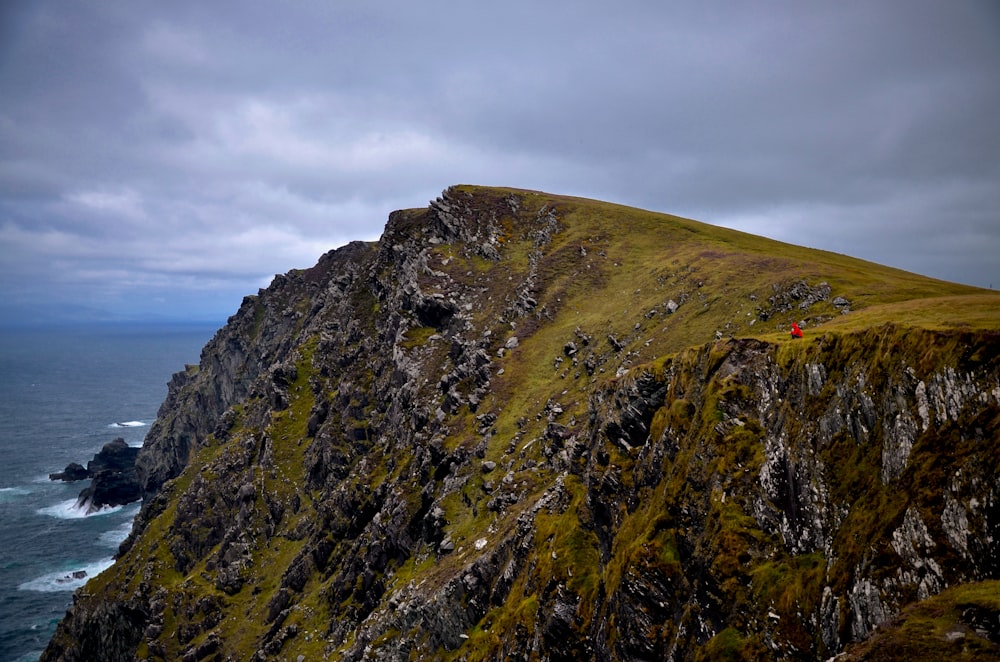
pixel 818 438
pixel 415 449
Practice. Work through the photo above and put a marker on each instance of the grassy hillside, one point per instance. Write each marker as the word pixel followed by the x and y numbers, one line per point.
pixel 611 262
pixel 611 271
pixel 530 425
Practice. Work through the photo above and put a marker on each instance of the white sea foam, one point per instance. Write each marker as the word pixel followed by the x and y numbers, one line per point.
pixel 71 509
pixel 116 536
pixel 67 580
pixel 11 493
pixel 128 424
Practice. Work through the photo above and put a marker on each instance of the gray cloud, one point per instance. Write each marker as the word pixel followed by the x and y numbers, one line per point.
pixel 179 154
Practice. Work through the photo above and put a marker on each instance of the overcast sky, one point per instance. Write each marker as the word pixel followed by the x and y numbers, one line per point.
pixel 171 157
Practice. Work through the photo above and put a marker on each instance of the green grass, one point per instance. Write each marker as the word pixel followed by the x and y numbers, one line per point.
pixel 731 645
pixel 937 628
pixel 946 312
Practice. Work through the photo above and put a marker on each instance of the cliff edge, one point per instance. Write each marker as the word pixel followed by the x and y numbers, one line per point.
pixel 528 426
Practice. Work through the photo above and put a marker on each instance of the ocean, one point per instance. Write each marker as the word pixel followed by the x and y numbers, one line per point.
pixel 64 393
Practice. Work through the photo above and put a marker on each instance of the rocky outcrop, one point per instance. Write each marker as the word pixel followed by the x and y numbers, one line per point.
pixel 490 436
pixel 803 478
pixel 72 473
pixel 112 474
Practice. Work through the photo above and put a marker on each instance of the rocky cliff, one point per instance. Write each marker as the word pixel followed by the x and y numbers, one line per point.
pixel 525 426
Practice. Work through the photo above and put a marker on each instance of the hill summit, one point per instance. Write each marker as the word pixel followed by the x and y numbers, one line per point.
pixel 529 426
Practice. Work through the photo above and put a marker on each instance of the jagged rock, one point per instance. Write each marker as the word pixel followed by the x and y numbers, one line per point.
pixel 114 481
pixel 913 543
pixel 116 455
pixel 110 488
pixel 72 473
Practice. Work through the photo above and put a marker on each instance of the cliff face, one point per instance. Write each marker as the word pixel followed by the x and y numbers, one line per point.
pixel 522 426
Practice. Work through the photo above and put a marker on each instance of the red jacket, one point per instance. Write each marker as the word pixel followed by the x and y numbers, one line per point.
pixel 796 331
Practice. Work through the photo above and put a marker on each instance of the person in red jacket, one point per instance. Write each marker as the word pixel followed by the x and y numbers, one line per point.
pixel 796 331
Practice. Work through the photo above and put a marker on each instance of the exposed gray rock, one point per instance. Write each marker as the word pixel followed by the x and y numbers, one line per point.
pixel 867 610
pixel 830 620
pixel 817 377
pixel 914 545
pixel 955 522
pixel 897 446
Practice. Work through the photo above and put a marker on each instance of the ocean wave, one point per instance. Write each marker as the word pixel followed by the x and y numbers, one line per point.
pixel 72 509
pixel 116 536
pixel 128 424
pixel 11 493
pixel 67 580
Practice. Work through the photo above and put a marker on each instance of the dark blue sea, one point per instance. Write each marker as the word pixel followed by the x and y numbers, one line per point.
pixel 64 393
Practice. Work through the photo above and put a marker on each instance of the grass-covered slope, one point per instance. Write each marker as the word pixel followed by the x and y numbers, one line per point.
pixel 613 263
pixel 527 426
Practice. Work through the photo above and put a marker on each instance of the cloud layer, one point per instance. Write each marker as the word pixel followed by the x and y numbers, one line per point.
pixel 171 157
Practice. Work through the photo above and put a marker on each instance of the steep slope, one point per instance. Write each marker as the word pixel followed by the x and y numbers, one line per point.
pixel 525 426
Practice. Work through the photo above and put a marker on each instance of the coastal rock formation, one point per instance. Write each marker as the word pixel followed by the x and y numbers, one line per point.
pixel 72 473
pixel 112 474
pixel 524 426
